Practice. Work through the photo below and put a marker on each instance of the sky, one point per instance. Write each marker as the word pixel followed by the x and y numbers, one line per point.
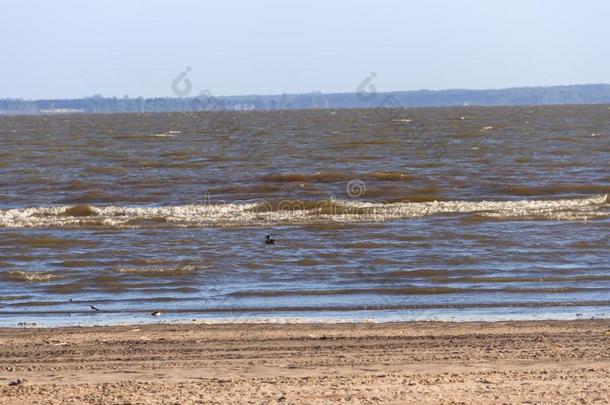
pixel 77 48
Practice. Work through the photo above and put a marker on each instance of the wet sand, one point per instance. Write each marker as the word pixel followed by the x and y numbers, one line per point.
pixel 419 362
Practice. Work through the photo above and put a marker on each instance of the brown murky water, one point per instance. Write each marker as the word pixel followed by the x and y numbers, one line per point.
pixel 384 214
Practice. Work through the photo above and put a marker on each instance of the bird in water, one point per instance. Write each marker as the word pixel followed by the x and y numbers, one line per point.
pixel 156 313
pixel 269 241
pixel 93 308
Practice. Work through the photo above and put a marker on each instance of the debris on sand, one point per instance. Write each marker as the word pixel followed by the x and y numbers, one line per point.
pixel 18 381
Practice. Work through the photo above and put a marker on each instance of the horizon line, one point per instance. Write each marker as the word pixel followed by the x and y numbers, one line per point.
pixel 98 95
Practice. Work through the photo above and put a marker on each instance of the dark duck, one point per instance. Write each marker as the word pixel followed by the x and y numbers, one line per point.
pixel 269 241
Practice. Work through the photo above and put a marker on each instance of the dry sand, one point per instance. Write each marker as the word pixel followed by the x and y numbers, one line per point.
pixel 420 362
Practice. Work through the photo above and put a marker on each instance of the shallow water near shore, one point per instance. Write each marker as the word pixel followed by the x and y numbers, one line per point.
pixel 419 214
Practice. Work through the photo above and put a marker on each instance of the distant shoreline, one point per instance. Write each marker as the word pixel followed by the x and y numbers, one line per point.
pixel 520 96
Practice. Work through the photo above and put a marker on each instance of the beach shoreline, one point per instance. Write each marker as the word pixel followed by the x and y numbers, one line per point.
pixel 404 362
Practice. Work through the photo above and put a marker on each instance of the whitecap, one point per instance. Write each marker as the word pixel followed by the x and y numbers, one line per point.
pixel 264 213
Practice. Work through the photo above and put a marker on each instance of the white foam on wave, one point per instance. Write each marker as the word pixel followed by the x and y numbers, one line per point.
pixel 28 276
pixel 158 271
pixel 261 213
pixel 168 134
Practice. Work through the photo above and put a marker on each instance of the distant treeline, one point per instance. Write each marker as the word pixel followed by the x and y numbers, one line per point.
pixel 576 94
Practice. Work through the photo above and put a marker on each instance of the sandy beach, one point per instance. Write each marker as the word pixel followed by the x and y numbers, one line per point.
pixel 419 362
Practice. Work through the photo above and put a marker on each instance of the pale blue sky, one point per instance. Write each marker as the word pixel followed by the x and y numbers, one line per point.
pixel 72 48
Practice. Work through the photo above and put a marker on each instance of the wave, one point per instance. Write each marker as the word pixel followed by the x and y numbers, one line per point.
pixel 388 176
pixel 319 177
pixel 411 290
pixel 287 212
pixel 79 211
pixel 159 271
pixel 168 134
pixel 333 177
pixel 28 276
pixel 555 189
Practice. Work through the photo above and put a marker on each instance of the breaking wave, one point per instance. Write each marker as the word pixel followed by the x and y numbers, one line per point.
pixel 286 212
pixel 159 271
pixel 28 276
